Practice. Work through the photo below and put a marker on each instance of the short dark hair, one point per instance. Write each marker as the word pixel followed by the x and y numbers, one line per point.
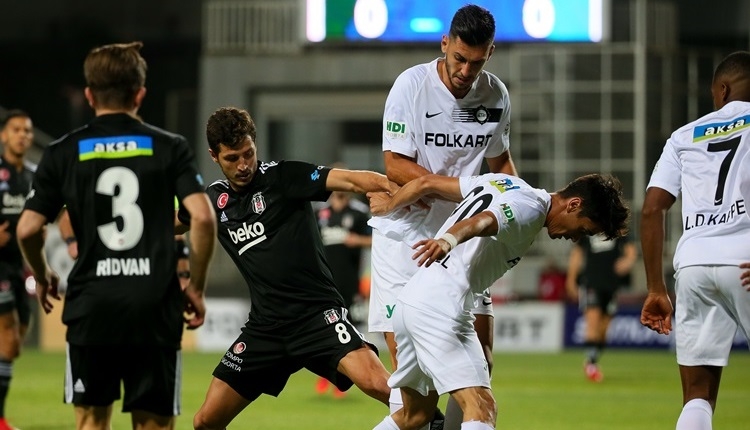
pixel 734 64
pixel 474 25
pixel 13 113
pixel 602 202
pixel 229 126
pixel 115 73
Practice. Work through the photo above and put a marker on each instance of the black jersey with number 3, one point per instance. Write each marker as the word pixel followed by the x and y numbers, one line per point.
pixel 118 177
pixel 270 231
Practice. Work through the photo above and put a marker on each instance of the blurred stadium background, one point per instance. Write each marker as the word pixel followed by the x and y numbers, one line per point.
pixel 603 95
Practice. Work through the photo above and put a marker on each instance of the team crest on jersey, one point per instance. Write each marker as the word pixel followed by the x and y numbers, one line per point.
pixel 239 347
pixel 222 200
pixel 4 174
pixel 479 114
pixel 259 203
pixel 331 316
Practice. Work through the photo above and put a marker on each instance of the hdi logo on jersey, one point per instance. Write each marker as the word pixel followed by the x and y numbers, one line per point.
pixel 708 131
pixel 508 212
pixel 395 130
pixel 259 203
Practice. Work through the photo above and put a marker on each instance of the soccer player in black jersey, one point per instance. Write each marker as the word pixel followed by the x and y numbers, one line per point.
pixel 16 173
pixel 297 318
pixel 118 177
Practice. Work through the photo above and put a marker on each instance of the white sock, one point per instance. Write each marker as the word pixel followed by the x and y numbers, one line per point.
pixel 476 425
pixel 387 424
pixel 395 401
pixel 453 415
pixel 696 415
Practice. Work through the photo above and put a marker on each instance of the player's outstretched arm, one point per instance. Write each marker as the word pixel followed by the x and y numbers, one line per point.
pixel 358 181
pixel 431 250
pixel 657 309
pixel 401 169
pixel 446 187
pixel 202 243
pixel 30 235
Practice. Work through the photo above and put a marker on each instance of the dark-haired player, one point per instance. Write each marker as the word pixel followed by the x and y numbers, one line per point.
pixel 297 318
pixel 17 135
pixel 118 176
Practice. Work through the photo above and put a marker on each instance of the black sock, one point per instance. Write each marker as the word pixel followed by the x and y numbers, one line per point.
pixel 6 371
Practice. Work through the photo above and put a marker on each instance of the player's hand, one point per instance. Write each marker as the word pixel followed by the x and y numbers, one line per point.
pixel 657 313
pixel 429 251
pixel 5 235
pixel 195 308
pixel 379 202
pixel 745 277
pixel 47 288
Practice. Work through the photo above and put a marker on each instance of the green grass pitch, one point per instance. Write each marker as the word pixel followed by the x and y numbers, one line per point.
pixel 641 390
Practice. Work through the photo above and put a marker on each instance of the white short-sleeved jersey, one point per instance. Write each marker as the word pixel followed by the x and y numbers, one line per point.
pixel 451 285
pixel 702 160
pixel 745 179
pixel 445 135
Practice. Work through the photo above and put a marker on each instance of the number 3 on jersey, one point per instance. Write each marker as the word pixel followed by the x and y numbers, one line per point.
pixel 121 184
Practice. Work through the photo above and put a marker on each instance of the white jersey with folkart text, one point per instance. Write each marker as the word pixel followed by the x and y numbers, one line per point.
pixel 452 285
pixel 703 160
pixel 445 135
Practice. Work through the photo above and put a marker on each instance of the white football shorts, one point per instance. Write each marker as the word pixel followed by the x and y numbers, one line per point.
pixel 436 352
pixel 391 268
pixel 711 304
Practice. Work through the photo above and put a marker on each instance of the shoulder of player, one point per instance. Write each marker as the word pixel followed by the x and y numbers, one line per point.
pixel 490 82
pixel 729 114
pixel 161 133
pixel 413 77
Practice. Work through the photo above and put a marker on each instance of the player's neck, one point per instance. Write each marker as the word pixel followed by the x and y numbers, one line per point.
pixel 14 160
pixel 107 111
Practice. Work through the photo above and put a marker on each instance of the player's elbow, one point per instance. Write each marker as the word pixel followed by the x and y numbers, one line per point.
pixel 204 220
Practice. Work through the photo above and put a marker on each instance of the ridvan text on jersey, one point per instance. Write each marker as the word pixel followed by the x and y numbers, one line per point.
pixel 123 267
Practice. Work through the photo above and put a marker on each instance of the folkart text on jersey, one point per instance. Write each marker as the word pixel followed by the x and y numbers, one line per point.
pixel 702 220
pixel 123 267
pixel 456 140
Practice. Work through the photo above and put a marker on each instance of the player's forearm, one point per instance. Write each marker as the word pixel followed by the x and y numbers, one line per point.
pixel 32 248
pixel 481 224
pixel 652 246
pixel 202 243
pixel 401 169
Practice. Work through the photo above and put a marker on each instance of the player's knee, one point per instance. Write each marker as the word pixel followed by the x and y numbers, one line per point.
pixel 202 422
pixel 10 351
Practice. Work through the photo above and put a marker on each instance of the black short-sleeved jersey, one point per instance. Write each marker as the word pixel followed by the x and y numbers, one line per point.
pixel 270 231
pixel 345 261
pixel 118 178
pixel 599 269
pixel 14 187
